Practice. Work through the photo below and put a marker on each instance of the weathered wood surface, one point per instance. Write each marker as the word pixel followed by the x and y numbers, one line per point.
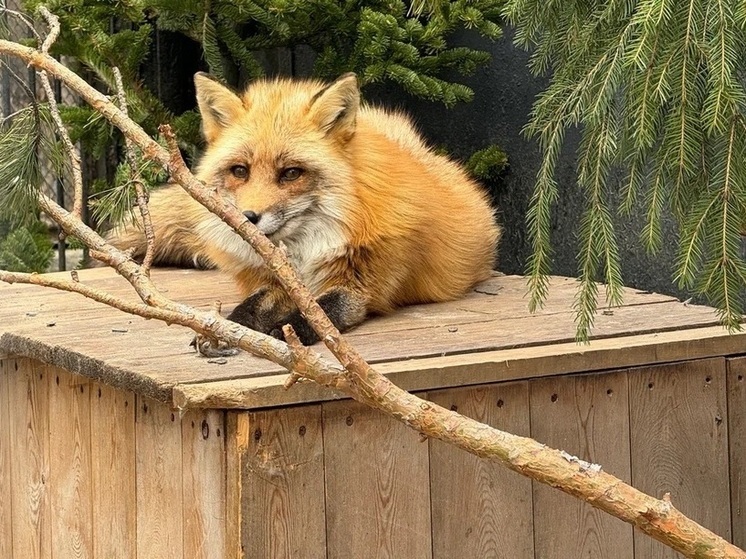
pixel 386 493
pixel 479 368
pixel 113 467
pixel 277 482
pixel 586 416
pixel 203 484
pixel 478 509
pixel 236 447
pixel 159 481
pixel 377 485
pixel 282 475
pixel 83 477
pixel 679 442
pixel 736 381
pixel 29 465
pixel 70 464
pixel 150 359
pixel 6 505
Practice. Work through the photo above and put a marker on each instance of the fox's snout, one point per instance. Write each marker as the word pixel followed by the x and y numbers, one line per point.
pixel 269 222
pixel 253 217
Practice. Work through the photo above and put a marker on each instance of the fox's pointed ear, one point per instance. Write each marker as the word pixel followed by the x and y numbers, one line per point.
pixel 335 107
pixel 218 105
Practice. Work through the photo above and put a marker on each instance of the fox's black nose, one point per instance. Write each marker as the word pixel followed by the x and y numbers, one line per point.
pixel 253 217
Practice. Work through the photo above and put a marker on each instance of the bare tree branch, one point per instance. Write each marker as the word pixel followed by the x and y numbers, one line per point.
pixel 72 153
pixel 134 165
pixel 24 18
pixel 657 518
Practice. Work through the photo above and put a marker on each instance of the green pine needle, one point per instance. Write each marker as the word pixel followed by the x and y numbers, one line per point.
pixel 657 86
pixel 25 140
pixel 26 248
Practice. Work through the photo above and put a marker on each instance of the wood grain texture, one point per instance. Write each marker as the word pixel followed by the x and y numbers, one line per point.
pixel 236 450
pixel 29 429
pixel 114 499
pixel 159 481
pixel 70 464
pixel 282 506
pixel 93 340
pixel 679 443
pixel 203 447
pixel 377 485
pixel 586 416
pixel 736 381
pixel 6 483
pixel 478 508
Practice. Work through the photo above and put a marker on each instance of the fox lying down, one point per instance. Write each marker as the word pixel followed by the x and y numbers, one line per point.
pixel 371 217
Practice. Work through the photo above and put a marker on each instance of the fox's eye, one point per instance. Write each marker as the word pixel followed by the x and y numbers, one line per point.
pixel 290 174
pixel 240 171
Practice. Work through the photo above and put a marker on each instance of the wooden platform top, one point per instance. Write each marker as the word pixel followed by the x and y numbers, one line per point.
pixel 487 336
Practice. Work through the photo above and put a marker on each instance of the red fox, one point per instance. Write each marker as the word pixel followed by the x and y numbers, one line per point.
pixel 371 217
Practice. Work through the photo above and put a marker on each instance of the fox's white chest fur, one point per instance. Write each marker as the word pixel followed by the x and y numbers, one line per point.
pixel 309 242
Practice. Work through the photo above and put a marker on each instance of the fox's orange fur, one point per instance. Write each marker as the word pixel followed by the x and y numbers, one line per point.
pixel 371 217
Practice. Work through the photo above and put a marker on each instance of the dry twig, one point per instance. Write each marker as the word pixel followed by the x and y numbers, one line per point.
pixel 72 153
pixel 141 194
pixel 657 518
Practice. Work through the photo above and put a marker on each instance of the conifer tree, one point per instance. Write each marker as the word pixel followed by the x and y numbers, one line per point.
pixel 382 41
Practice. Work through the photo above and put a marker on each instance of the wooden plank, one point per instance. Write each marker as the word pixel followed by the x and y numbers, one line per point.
pixel 737 447
pixel 114 502
pixel 679 443
pixel 487 302
pixel 478 368
pixel 6 483
pixel 531 330
pixel 586 416
pixel 377 485
pixel 237 438
pixel 175 282
pixel 497 298
pixel 29 428
pixel 203 463
pixel 159 481
pixel 70 464
pixel 282 506
pixel 97 367
pixel 479 509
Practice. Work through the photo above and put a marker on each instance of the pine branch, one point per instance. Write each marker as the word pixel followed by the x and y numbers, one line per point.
pixel 726 270
pixel 671 74
pixel 598 242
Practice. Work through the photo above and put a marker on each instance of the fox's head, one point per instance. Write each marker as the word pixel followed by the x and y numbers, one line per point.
pixel 278 150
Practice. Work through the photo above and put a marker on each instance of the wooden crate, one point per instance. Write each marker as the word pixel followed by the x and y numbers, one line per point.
pixel 117 441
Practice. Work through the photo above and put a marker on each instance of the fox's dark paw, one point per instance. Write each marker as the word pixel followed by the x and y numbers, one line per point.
pixel 256 312
pixel 302 329
pixel 212 348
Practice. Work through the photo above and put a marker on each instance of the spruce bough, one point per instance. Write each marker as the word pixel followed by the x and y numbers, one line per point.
pixel 656 88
